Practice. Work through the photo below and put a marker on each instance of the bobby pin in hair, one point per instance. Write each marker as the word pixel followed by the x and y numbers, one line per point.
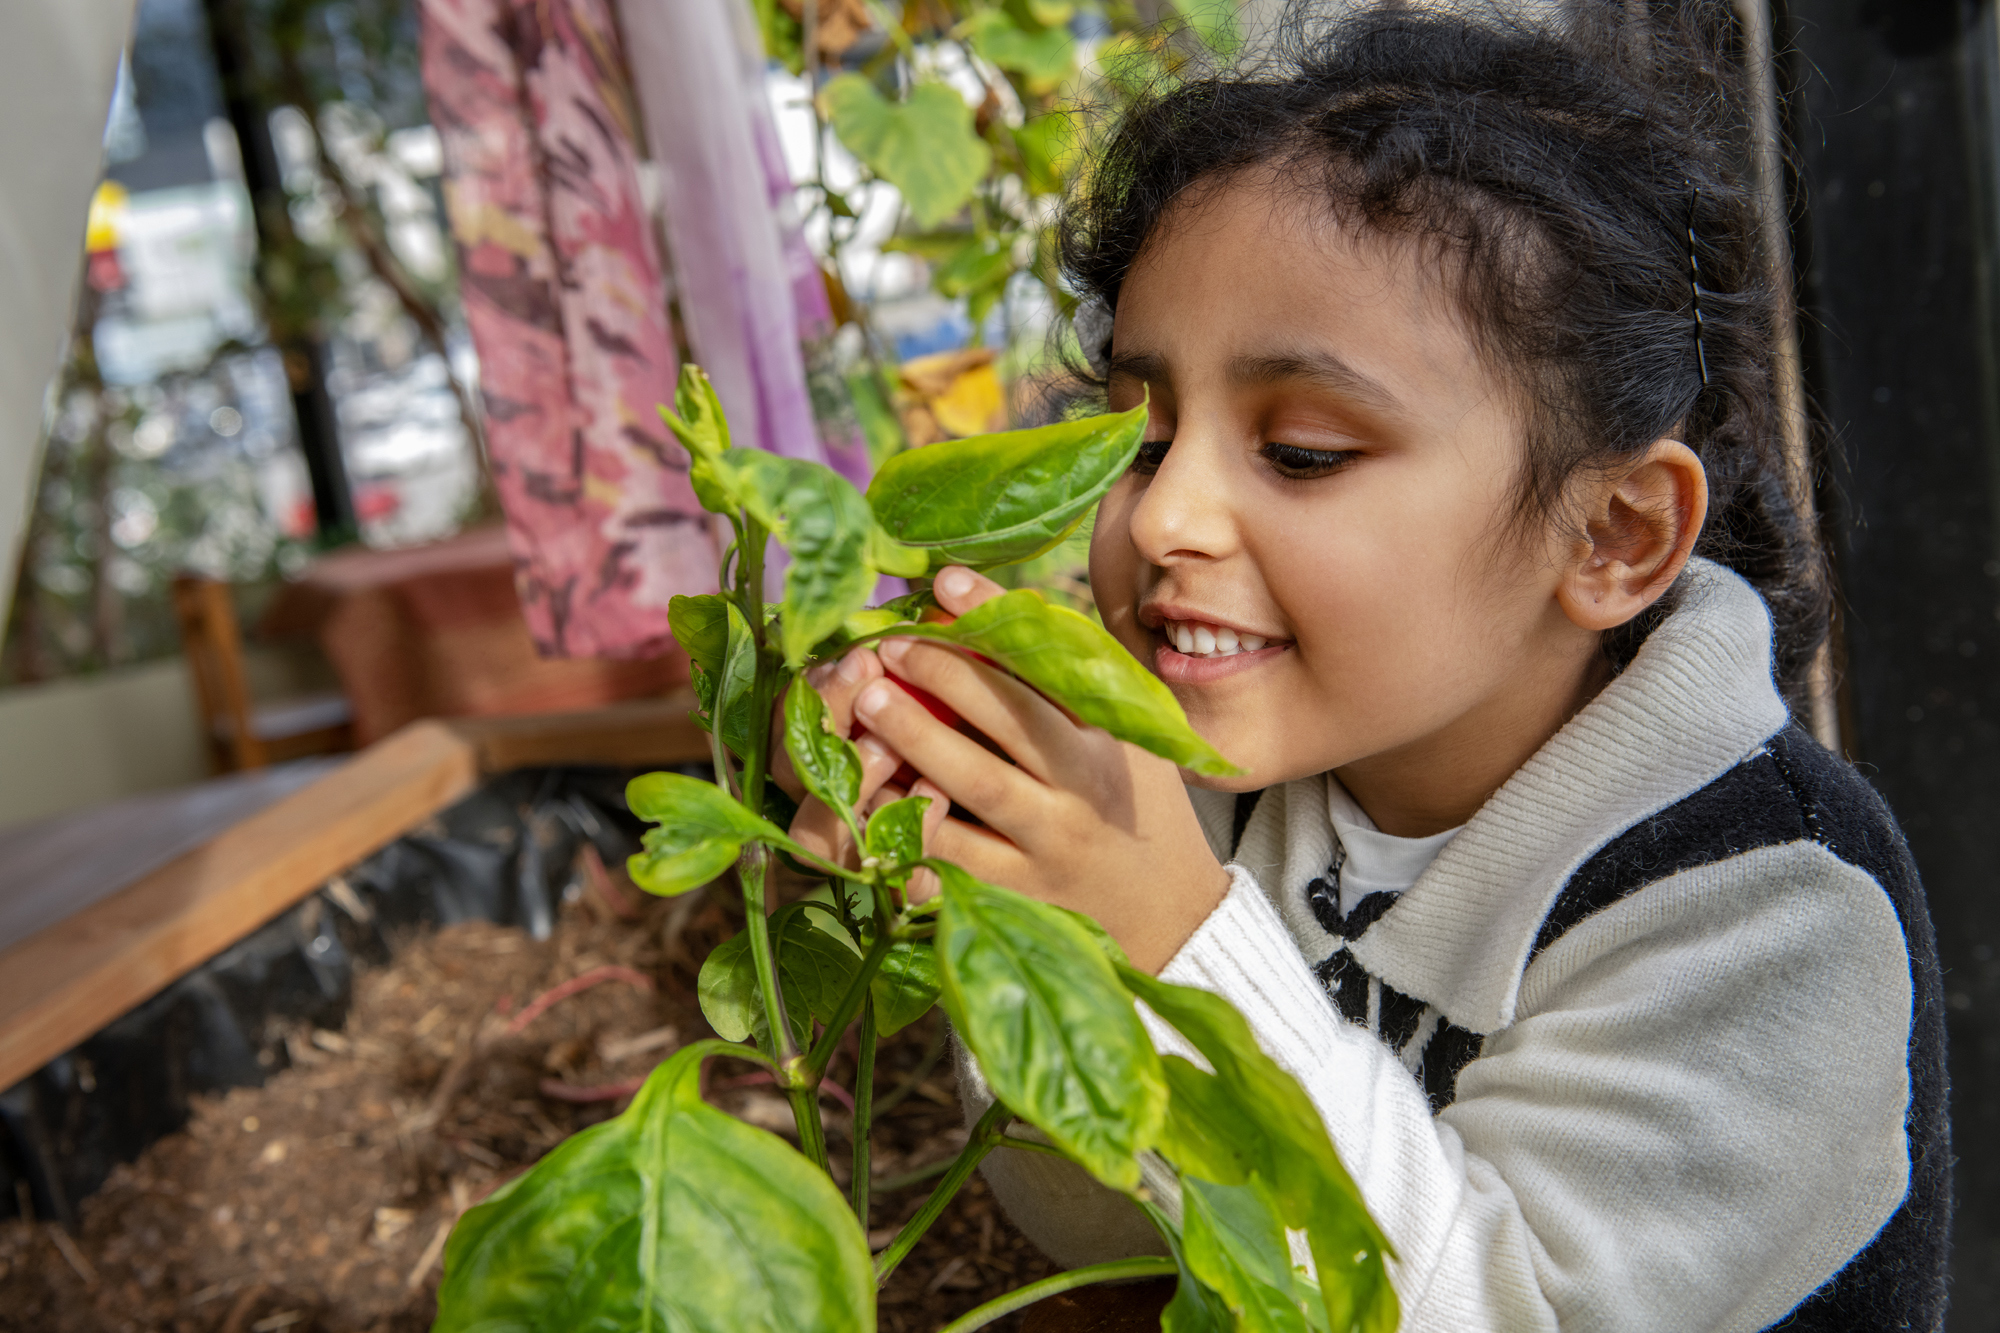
pixel 1694 283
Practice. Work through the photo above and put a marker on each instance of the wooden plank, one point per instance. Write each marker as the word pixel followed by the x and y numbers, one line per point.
pixel 63 984
pixel 644 731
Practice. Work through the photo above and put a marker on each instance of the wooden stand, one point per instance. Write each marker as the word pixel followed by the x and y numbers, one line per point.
pixel 63 984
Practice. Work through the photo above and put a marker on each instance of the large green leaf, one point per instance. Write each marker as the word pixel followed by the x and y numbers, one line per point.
pixel 673 1216
pixel 906 986
pixel 701 830
pixel 1059 1039
pixel 925 146
pixel 1251 1120
pixel 1235 1244
pixel 1000 499
pixel 1074 662
pixel 836 548
pixel 828 764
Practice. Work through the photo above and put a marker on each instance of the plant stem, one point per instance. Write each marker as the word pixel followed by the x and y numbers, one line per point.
pixel 751 868
pixel 812 1134
pixel 1117 1270
pixel 984 1139
pixel 857 995
pixel 864 1099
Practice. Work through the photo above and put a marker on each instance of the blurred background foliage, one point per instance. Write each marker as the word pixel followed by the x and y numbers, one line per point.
pixel 930 142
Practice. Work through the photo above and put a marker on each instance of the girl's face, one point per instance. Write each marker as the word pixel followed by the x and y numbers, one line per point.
pixel 1339 489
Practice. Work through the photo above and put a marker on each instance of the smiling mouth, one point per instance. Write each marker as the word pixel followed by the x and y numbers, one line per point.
pixel 1198 639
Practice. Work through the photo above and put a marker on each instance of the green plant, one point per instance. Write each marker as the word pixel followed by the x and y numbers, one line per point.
pixel 676 1216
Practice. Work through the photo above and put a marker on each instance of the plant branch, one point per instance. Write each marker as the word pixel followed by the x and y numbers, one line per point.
pixel 985 1137
pixel 864 1105
pixel 1116 1271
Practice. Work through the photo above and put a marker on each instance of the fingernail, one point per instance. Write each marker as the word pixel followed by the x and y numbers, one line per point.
pixel 895 650
pixel 818 676
pixel 955 582
pixel 871 749
pixel 872 700
pixel 853 666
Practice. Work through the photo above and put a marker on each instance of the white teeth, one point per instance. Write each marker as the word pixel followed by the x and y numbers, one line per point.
pixel 1199 640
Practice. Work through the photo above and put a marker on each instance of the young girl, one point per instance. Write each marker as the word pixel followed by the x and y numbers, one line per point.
pixel 1463 526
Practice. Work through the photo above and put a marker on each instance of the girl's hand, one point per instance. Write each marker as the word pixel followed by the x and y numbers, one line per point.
pixel 1079 819
pixel 818 828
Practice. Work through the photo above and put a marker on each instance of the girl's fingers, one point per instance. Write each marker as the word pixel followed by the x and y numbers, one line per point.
pixel 958 589
pixel 999 793
pixel 1031 730
pixel 838 683
pixel 981 853
pixel 878 764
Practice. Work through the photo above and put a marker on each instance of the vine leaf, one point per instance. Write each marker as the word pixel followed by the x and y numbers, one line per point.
pixel 925 146
pixel 1041 55
pixel 1060 1042
pixel 828 764
pixel 1000 499
pixel 674 1214
pixel 701 831
pixel 1251 1119
pixel 1071 660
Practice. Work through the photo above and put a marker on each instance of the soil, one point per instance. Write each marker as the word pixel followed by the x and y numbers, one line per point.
pixel 319 1202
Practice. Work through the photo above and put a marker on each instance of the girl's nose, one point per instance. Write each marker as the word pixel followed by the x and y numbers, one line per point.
pixel 1185 512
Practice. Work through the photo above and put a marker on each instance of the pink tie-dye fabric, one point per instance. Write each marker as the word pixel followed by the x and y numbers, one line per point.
pixel 565 295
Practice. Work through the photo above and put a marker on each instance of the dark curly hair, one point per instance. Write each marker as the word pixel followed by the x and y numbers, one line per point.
pixel 1560 164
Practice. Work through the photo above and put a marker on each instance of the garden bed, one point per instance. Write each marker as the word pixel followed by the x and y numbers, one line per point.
pixel 318 1201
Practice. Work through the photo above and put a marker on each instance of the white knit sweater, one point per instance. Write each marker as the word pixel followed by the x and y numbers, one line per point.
pixel 1685 1112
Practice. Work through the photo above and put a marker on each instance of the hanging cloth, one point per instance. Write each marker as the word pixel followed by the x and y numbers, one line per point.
pixel 565 294
pixel 751 292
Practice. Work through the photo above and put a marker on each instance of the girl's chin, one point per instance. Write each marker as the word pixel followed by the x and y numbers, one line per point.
pixel 1178 668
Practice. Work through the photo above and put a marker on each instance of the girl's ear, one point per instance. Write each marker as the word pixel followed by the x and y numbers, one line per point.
pixel 1641 527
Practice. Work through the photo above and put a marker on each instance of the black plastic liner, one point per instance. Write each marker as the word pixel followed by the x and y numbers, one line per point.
pixel 505 854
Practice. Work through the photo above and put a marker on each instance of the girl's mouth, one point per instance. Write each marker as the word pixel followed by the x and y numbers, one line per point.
pixel 1193 652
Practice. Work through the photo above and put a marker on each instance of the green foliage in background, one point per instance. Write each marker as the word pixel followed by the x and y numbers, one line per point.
pixel 673 1215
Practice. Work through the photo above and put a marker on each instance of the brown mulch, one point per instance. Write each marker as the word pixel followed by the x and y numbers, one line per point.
pixel 319 1202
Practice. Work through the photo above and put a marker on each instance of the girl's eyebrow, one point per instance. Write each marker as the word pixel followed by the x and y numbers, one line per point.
pixel 1322 369
pixel 1145 367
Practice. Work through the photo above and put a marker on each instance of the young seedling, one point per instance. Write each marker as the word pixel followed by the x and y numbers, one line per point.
pixel 675 1216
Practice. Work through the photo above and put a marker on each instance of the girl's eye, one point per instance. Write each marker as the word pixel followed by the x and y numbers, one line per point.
pixel 1289 460
pixel 1151 454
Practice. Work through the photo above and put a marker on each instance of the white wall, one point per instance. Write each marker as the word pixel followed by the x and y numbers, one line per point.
pixel 77 743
